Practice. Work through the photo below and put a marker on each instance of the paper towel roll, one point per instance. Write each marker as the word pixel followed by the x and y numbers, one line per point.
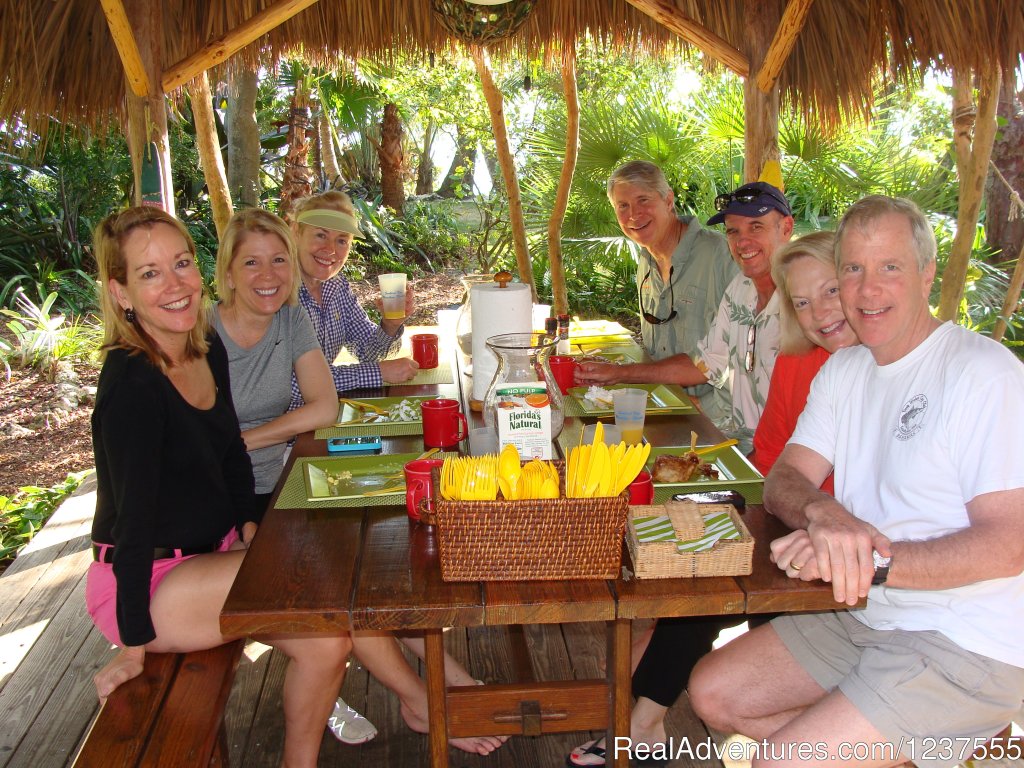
pixel 496 310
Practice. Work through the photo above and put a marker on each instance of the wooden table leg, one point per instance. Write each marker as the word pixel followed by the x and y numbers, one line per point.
pixel 437 698
pixel 619 684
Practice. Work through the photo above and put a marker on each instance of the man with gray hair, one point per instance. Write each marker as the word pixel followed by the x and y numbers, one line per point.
pixel 682 269
pixel 922 427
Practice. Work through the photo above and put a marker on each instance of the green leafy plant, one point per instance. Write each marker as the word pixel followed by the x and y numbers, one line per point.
pixel 386 248
pixel 984 287
pixel 49 204
pixel 42 341
pixel 22 515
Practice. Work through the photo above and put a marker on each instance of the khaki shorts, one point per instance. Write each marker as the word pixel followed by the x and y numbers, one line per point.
pixel 933 701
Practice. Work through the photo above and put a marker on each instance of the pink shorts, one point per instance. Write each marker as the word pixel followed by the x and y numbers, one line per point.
pixel 101 588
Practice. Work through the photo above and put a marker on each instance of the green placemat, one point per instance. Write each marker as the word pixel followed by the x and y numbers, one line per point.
pixel 573 407
pixel 440 375
pixel 293 494
pixel 387 429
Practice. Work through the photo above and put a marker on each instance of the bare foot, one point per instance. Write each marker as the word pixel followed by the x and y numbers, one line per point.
pixel 477 745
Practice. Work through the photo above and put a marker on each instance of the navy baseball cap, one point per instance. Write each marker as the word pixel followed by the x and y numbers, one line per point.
pixel 751 200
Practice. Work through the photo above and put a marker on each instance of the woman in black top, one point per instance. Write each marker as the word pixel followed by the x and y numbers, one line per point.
pixel 174 507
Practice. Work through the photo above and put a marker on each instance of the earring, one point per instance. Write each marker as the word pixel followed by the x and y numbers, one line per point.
pixel 129 315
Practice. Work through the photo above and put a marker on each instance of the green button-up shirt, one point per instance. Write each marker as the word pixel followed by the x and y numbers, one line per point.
pixel 702 268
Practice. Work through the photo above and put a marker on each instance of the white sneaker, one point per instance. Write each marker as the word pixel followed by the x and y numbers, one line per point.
pixel 348 726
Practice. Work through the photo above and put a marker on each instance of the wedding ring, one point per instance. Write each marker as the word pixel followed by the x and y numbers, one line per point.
pixel 794 566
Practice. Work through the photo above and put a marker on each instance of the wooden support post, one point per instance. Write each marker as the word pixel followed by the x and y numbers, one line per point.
pixel 793 19
pixel 436 697
pixel 617 671
pixel 127 48
pixel 666 13
pixel 328 155
pixel 972 158
pixel 209 152
pixel 147 116
pixel 1013 293
pixel 560 297
pixel 761 110
pixel 231 42
pixel 495 105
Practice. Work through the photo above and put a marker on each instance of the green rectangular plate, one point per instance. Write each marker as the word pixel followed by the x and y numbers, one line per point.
pixel 618 352
pixel 369 473
pixel 735 473
pixel 350 416
pixel 660 400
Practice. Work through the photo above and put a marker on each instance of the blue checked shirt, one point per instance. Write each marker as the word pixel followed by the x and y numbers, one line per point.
pixel 339 322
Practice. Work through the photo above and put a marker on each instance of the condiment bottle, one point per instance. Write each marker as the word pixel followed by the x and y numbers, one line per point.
pixel 563 335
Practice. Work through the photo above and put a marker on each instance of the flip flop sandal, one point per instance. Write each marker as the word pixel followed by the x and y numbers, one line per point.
pixel 588 755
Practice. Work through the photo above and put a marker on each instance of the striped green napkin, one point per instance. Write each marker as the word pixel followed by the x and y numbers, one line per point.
pixel 717 526
pixel 658 528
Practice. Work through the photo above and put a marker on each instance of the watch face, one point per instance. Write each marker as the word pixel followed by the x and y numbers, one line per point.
pixel 880 562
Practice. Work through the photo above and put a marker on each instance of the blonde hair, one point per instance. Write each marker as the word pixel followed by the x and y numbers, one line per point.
pixel 864 213
pixel 242 224
pixel 118 332
pixel 818 246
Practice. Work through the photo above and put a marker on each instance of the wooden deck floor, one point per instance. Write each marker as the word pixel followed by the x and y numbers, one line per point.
pixel 49 652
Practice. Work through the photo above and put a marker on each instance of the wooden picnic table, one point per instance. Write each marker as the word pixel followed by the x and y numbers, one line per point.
pixel 324 570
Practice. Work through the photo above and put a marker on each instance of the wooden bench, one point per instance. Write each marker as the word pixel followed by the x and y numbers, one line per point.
pixel 170 715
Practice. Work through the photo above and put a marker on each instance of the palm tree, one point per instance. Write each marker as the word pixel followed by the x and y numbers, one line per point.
pixel 243 137
pixel 298 178
pixel 392 158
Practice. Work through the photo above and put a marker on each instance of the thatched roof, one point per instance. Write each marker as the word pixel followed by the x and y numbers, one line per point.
pixel 58 58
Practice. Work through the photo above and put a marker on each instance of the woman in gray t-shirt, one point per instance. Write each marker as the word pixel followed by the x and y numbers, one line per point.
pixel 268 335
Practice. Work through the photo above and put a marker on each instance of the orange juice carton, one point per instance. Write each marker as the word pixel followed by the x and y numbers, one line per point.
pixel 523 414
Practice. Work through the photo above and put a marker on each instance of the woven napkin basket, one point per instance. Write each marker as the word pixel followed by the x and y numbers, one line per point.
pixel 662 560
pixel 530 539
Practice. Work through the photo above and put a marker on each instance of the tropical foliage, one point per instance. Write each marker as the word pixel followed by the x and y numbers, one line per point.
pixel 22 515
pixel 44 341
pixel 666 111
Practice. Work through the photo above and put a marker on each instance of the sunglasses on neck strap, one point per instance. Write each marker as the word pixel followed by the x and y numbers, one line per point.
pixel 652 319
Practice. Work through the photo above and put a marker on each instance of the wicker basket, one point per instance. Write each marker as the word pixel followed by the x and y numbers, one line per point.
pixel 530 539
pixel 662 560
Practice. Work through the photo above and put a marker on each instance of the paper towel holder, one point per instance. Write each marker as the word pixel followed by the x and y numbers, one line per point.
pixel 502 278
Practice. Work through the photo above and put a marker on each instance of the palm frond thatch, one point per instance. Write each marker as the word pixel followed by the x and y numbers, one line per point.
pixel 59 60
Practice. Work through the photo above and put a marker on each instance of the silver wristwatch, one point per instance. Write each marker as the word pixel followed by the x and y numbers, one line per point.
pixel 881 568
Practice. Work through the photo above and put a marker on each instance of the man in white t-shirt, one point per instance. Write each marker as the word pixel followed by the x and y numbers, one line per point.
pixel 923 427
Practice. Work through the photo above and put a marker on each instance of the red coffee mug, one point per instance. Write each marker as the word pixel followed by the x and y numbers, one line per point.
pixel 419 487
pixel 443 423
pixel 424 349
pixel 563 368
pixel 641 490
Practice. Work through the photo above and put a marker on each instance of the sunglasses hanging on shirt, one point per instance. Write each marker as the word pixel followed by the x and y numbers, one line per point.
pixel 650 318
pixel 751 347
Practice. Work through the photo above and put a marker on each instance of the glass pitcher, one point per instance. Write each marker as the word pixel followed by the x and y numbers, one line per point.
pixel 523 359
pixel 464 320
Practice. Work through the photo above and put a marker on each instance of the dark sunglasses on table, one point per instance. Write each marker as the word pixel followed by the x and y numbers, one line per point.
pixel 672 300
pixel 724 200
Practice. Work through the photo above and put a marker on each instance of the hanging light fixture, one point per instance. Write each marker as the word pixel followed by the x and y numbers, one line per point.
pixel 482 21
